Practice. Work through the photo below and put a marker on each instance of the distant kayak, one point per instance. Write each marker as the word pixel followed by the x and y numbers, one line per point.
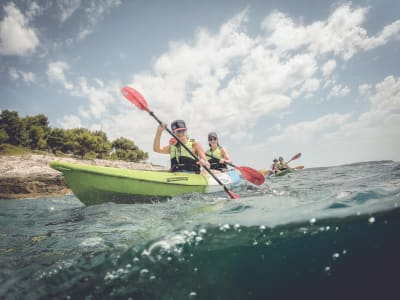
pixel 96 184
pixel 269 173
pixel 282 173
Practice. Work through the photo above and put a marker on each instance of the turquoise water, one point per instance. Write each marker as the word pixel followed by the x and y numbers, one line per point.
pixel 325 233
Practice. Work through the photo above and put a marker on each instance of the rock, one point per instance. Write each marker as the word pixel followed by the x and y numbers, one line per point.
pixel 30 176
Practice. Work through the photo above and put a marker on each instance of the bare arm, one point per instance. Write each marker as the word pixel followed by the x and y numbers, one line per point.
pixel 225 157
pixel 156 144
pixel 200 152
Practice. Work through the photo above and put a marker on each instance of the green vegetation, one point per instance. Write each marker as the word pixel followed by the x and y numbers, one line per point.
pixel 32 133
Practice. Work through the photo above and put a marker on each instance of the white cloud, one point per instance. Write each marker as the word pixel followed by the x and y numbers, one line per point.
pixel 228 74
pixel 16 37
pixel 70 122
pixel 95 11
pixel 387 97
pixel 341 34
pixel 308 131
pixel 364 89
pixel 27 77
pixel 340 138
pixel 67 8
pixel 56 73
pixel 100 95
pixel 328 67
pixel 391 31
pixel 339 91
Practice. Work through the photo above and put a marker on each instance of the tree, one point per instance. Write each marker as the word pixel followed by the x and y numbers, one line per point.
pixel 56 140
pixel 103 145
pixel 11 124
pixel 127 150
pixel 3 136
pixel 35 131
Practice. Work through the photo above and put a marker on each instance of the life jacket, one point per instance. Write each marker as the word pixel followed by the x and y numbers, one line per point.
pixel 214 162
pixel 181 159
pixel 281 167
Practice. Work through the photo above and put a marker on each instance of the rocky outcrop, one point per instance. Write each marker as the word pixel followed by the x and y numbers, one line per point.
pixel 30 176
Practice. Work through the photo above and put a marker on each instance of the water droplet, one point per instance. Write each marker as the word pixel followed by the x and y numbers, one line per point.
pixel 327 268
pixel 344 252
pixel 371 220
pixel 224 227
pixel 335 255
pixel 195 269
pixel 255 243
pixel 192 294
pixel 144 271
pixel 262 227
pixel 268 243
pixel 313 220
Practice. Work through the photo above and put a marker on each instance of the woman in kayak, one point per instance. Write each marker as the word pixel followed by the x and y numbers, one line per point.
pixel 181 159
pixel 217 156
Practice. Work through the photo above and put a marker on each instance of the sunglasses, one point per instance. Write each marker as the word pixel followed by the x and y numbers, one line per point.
pixel 212 139
pixel 180 131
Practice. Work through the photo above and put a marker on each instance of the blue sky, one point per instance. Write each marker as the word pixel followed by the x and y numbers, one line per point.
pixel 270 77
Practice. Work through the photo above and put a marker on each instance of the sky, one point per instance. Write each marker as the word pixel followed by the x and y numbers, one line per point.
pixel 272 78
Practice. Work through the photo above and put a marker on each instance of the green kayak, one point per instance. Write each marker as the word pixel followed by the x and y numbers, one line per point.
pixel 96 184
pixel 282 173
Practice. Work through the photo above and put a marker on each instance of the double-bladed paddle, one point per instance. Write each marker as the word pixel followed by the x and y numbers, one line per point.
pixel 136 98
pixel 294 157
pixel 250 174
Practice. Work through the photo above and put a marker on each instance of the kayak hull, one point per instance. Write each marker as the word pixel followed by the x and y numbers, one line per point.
pixel 95 184
pixel 282 173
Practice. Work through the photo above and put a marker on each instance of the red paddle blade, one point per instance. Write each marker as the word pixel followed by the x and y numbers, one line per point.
pixel 252 175
pixel 296 156
pixel 135 97
pixel 232 194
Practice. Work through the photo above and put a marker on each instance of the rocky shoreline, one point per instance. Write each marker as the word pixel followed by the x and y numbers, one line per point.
pixel 30 176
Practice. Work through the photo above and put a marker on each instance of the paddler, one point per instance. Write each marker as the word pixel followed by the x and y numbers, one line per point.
pixel 282 165
pixel 274 166
pixel 181 159
pixel 217 155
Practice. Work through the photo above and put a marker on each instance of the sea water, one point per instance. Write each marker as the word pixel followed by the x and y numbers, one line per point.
pixel 324 233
